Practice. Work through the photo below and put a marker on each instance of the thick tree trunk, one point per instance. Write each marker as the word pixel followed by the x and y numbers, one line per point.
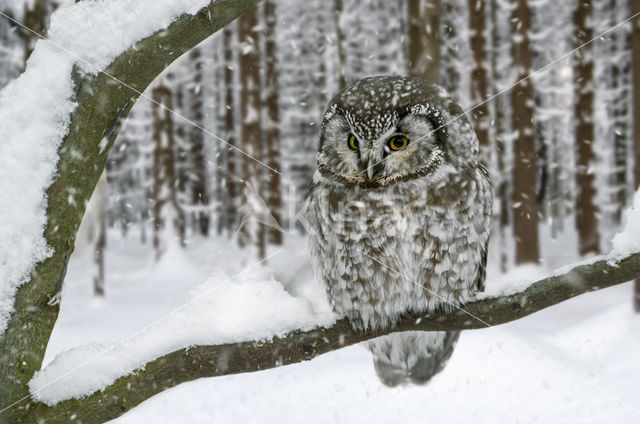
pixel 586 211
pixel 525 208
pixel 250 111
pixel 424 39
pixel 479 76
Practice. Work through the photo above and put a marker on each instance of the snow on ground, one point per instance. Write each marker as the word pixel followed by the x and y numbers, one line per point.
pixel 250 305
pixel 35 110
pixel 575 362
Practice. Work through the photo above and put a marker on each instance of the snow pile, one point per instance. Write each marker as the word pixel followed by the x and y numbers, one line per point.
pixel 99 31
pixel 516 280
pixel 628 241
pixel 519 278
pixel 34 117
pixel 222 310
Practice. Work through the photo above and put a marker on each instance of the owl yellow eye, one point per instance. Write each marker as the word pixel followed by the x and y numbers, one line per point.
pixel 398 142
pixel 353 142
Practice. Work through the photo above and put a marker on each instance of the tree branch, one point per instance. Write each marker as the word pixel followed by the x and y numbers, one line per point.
pixel 210 361
pixel 102 104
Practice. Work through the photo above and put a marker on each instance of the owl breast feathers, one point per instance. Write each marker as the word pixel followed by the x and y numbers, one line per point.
pixel 398 213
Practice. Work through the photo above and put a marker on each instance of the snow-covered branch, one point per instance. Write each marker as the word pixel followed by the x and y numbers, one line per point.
pixel 59 121
pixel 208 361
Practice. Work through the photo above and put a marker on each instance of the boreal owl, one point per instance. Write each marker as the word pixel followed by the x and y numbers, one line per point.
pixel 398 216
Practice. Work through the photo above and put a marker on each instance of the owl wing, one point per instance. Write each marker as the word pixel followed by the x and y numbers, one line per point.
pixel 482 268
pixel 310 217
pixel 486 197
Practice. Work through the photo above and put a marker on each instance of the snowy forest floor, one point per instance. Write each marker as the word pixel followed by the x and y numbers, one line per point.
pixel 575 362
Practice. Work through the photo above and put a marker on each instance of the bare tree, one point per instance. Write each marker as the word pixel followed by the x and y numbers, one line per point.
pixel 525 208
pixel 198 170
pixel 168 216
pixel 553 97
pixel 230 155
pixel 250 127
pixel 479 76
pixel 273 195
pixel 586 211
pixel 500 105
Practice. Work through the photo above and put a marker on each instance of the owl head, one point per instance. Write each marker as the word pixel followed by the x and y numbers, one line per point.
pixel 383 130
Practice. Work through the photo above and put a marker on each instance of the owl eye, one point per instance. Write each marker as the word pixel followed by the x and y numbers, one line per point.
pixel 352 141
pixel 398 142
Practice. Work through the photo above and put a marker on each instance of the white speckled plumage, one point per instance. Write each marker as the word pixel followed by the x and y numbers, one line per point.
pixel 409 237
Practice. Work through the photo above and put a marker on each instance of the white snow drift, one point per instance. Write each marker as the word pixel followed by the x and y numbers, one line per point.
pixel 222 310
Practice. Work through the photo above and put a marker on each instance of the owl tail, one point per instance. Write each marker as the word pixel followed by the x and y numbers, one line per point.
pixel 411 356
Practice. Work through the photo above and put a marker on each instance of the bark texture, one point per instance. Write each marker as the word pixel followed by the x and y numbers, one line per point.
pixel 525 208
pixel 586 212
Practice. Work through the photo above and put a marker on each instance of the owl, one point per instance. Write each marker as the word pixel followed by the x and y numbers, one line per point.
pixel 398 216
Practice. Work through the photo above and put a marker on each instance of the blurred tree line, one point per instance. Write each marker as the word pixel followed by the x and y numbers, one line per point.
pixel 226 138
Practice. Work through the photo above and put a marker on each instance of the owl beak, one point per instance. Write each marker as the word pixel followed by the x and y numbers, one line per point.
pixel 374 169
